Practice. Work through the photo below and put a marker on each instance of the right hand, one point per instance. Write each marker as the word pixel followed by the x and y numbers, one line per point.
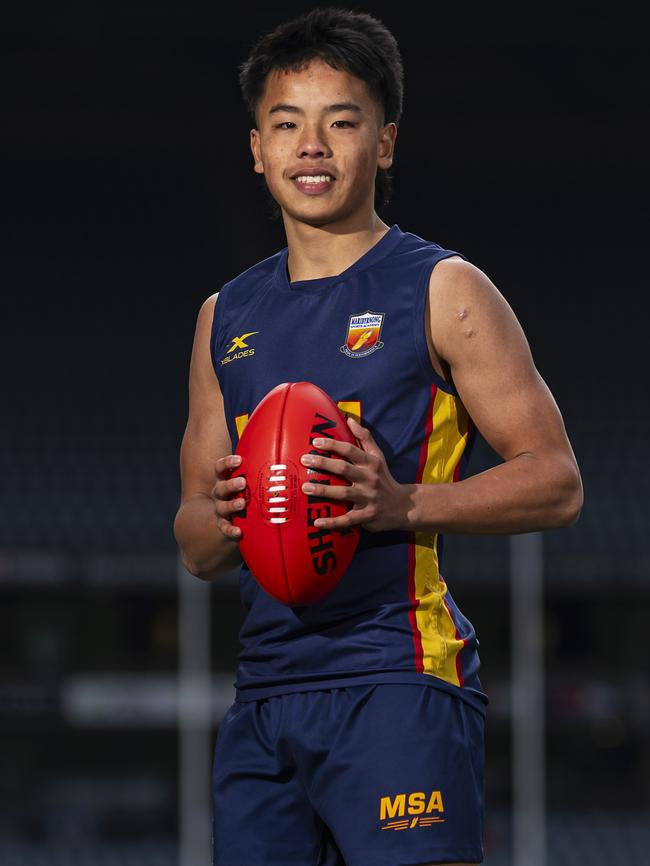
pixel 222 490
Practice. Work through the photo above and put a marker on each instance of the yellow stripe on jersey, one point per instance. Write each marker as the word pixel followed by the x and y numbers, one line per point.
pixel 444 448
pixel 351 407
pixel 240 422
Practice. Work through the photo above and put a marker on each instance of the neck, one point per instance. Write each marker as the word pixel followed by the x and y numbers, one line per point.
pixel 315 252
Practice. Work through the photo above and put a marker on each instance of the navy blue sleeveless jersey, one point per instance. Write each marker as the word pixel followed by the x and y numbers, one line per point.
pixel 360 337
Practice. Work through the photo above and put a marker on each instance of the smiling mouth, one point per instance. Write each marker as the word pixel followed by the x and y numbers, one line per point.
pixel 313 185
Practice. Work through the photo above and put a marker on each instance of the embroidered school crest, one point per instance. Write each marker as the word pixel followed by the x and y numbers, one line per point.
pixel 364 331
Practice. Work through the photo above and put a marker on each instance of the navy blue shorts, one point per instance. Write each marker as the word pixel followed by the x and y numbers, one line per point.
pixel 368 775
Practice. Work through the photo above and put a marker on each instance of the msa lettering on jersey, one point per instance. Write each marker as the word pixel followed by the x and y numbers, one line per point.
pixel 241 344
pixel 421 808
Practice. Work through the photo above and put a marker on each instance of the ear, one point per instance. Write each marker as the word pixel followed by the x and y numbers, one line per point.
pixel 386 146
pixel 256 151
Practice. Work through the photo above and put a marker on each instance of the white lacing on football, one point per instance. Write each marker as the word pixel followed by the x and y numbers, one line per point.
pixel 274 488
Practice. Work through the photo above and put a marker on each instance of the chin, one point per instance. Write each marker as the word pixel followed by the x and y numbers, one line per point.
pixel 316 216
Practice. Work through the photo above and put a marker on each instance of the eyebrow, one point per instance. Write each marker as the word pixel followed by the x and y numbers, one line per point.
pixel 337 106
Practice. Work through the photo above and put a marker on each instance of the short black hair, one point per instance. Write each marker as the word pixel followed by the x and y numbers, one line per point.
pixel 346 39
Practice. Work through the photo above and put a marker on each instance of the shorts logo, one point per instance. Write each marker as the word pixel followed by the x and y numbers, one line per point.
pixel 364 330
pixel 417 809
pixel 239 343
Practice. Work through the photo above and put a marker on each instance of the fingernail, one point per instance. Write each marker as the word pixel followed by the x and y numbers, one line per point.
pixel 308 488
pixel 236 459
pixel 319 442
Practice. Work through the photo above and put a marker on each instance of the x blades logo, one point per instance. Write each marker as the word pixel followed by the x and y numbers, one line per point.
pixel 241 344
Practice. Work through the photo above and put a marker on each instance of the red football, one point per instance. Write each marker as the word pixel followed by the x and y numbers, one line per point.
pixel 293 560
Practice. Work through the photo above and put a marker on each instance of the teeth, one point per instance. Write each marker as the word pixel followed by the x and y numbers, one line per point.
pixel 319 178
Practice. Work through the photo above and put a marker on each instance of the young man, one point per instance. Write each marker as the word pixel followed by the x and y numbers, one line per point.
pixel 356 736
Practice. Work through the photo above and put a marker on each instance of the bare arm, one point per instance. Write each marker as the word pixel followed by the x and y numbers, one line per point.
pixel 206 550
pixel 538 486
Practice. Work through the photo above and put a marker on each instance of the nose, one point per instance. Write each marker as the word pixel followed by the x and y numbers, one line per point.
pixel 313 142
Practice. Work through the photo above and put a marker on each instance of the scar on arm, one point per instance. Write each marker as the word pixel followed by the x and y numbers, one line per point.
pixel 462 314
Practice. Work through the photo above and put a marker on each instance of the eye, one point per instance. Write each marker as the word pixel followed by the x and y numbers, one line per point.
pixel 285 122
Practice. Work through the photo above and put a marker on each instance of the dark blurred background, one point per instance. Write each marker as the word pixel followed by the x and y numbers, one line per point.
pixel 128 197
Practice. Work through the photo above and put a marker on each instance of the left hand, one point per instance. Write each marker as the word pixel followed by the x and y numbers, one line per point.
pixel 380 502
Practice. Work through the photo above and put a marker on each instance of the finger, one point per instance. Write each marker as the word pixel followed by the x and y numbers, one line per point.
pixel 364 436
pixel 352 518
pixel 226 484
pixel 228 488
pixel 332 491
pixel 224 510
pixel 230 531
pixel 355 425
pixel 332 464
pixel 227 464
pixel 345 449
pixel 235 505
pixel 227 506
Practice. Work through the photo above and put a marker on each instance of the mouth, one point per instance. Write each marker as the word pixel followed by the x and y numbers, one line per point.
pixel 313 184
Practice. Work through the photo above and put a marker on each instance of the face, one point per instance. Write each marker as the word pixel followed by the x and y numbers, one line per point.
pixel 304 127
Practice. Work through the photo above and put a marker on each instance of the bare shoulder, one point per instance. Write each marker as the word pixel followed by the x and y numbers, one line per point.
pixel 201 370
pixel 207 307
pixel 463 303
pixel 478 334
pixel 206 437
pixel 204 322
